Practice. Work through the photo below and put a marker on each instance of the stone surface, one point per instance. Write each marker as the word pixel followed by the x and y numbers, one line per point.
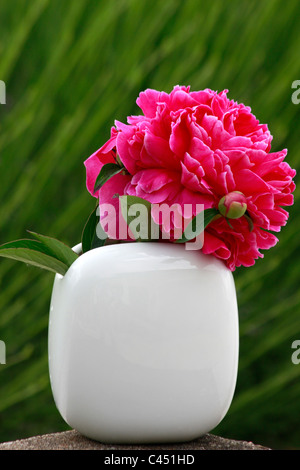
pixel 72 440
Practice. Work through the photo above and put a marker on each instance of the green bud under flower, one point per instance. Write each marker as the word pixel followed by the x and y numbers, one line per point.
pixel 233 205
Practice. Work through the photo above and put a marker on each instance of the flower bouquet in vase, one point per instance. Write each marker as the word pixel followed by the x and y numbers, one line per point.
pixel 143 328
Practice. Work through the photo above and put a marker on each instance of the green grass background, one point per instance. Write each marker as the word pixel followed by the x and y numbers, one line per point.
pixel 71 68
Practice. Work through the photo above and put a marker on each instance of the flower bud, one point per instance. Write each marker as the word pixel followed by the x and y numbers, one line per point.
pixel 233 205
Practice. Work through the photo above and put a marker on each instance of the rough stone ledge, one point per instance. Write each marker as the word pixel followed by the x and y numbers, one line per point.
pixel 72 440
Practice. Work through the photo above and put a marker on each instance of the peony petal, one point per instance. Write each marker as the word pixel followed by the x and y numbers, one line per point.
pixel 198 150
pixel 149 99
pixel 249 183
pixel 180 136
pixel 159 150
pixel 180 99
pixel 93 166
pixel 113 224
pixel 128 148
pixel 213 245
pixel 189 179
pixel 237 142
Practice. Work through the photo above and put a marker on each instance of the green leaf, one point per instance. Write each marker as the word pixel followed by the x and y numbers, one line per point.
pixel 58 249
pixel 26 243
pixel 107 171
pixel 144 223
pixel 89 238
pixel 228 223
pixel 33 253
pixel 208 216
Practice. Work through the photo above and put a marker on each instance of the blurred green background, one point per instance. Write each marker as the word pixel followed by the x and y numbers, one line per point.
pixel 71 68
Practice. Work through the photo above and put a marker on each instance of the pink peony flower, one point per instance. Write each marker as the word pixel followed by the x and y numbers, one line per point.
pixel 195 148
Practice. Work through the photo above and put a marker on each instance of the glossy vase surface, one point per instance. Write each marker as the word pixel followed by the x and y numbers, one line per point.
pixel 143 343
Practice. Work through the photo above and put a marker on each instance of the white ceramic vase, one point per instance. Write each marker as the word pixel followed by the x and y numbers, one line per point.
pixel 143 343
